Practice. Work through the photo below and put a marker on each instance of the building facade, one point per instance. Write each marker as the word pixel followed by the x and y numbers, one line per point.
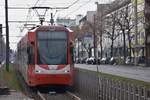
pixel 147 30
pixel 138 39
pixel 131 29
pixel 78 18
pixel 66 22
pixel 106 13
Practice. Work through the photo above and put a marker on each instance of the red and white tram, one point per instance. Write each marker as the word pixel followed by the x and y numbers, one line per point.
pixel 45 56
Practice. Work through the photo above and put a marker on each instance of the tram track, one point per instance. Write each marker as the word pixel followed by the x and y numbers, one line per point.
pixel 58 96
pixel 25 89
pixel 45 93
pixel 48 95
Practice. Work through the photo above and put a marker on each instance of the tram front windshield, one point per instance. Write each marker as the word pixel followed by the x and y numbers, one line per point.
pixel 52 47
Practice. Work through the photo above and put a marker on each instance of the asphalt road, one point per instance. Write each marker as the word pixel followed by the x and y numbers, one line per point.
pixel 134 72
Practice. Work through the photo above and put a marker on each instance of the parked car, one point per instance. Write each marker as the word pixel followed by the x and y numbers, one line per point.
pixel 142 60
pixel 78 60
pixel 90 60
pixel 113 61
pixel 105 60
pixel 94 61
pixel 83 60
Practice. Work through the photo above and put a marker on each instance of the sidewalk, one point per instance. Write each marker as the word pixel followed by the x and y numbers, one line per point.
pixel 134 72
pixel 8 94
pixel 14 95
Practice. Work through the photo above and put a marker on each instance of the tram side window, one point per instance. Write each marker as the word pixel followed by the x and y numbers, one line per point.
pixel 30 51
pixel 71 53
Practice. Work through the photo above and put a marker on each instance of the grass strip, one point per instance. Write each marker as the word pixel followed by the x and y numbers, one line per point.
pixel 10 78
pixel 120 78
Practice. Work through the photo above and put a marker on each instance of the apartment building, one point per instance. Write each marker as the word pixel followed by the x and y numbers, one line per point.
pixel 138 13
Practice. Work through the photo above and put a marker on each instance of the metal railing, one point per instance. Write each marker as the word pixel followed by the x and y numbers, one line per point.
pixel 90 86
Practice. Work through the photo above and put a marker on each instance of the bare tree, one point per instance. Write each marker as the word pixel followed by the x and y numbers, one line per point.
pixel 110 30
pixel 90 28
pixel 76 30
pixel 129 26
pixel 87 28
pixel 124 22
pixel 99 29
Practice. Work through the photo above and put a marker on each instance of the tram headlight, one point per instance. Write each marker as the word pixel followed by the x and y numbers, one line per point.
pixel 38 71
pixel 66 71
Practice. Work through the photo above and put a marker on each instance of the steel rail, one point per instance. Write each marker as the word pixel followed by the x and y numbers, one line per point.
pixel 73 96
pixel 67 94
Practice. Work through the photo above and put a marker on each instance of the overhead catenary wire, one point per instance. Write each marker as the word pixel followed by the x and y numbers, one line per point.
pixel 28 15
pixel 36 3
pixel 73 3
pixel 29 12
pixel 40 7
pixel 68 6
pixel 78 8
pixel 76 1
pixel 18 8
pixel 19 21
pixel 14 36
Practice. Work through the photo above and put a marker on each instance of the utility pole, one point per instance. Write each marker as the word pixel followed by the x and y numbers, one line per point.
pixel 7 35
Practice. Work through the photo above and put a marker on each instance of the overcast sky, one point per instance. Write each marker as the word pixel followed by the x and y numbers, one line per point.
pixel 81 7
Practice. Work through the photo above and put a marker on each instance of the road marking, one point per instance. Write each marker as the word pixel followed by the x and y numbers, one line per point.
pixel 41 96
pixel 74 97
